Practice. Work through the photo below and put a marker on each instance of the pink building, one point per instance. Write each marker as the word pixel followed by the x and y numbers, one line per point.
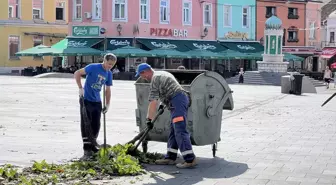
pixel 178 19
pixel 148 24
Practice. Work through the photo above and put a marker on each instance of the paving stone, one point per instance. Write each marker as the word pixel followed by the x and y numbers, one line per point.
pixel 269 138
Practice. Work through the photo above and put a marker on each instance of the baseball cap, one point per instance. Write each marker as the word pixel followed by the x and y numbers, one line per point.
pixel 142 67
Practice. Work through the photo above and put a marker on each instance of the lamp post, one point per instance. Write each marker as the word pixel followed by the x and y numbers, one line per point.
pixel 119 28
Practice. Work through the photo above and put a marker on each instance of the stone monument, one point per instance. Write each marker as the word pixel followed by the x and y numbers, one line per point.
pixel 273 57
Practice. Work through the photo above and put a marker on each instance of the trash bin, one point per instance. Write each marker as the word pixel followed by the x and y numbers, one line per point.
pixel 297 84
pixel 210 94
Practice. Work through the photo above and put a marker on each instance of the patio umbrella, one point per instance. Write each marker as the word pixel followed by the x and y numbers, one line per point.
pixel 333 65
pixel 62 49
pixel 289 57
pixel 201 53
pixel 130 51
pixel 40 50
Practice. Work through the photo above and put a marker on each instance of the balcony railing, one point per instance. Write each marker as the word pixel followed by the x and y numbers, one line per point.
pixel 292 16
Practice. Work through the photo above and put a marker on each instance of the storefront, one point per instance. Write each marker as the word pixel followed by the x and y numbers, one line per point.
pixel 311 56
pixel 328 56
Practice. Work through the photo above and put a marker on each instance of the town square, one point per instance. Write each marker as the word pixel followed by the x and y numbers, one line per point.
pixel 183 92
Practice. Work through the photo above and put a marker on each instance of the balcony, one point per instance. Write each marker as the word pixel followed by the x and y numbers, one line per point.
pixel 292 16
pixel 293 40
pixel 328 44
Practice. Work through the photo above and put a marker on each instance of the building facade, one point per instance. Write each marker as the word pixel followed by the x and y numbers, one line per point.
pixel 292 16
pixel 28 23
pixel 138 22
pixel 236 20
pixel 178 19
pixel 313 24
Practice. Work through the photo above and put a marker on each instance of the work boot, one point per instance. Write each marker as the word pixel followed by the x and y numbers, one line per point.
pixel 88 155
pixel 187 165
pixel 165 162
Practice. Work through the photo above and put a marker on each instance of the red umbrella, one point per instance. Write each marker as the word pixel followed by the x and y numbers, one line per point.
pixel 333 65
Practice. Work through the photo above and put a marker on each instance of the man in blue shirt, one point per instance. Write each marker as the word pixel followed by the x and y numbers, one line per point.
pixel 97 75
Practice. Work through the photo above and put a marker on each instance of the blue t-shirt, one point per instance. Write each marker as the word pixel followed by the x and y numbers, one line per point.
pixel 96 76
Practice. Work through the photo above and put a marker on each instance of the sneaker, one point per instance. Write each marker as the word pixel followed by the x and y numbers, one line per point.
pixel 88 155
pixel 187 165
pixel 165 162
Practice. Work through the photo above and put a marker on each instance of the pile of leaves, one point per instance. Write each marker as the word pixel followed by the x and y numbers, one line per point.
pixel 107 163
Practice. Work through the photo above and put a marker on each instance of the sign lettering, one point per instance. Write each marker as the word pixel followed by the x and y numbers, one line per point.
pixel 119 42
pixel 245 47
pixel 167 32
pixel 204 46
pixel 85 31
pixel 236 35
pixel 164 45
pixel 77 44
pixel 329 52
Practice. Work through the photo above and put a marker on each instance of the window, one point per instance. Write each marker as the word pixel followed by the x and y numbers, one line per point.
pixel 293 13
pixel 332 37
pixel 14 46
pixel 164 11
pixel 293 34
pixel 14 8
pixel 60 6
pixel 144 10
pixel 246 17
pixel 312 30
pixel 77 10
pixel 120 10
pixel 270 10
pixel 36 14
pixel 10 12
pixel 187 12
pixel 37 9
pixel 96 9
pixel 227 16
pixel 37 40
pixel 207 15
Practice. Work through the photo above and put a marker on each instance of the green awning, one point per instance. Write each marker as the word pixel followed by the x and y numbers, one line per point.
pixel 76 47
pixel 232 54
pixel 40 50
pixel 201 53
pixel 164 44
pixel 169 53
pixel 130 51
pixel 244 47
pixel 212 46
pixel 115 43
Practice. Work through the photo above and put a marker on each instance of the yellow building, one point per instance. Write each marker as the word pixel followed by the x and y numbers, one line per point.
pixel 28 23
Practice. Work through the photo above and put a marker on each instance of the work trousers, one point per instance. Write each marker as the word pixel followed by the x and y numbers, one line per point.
pixel 179 138
pixel 93 113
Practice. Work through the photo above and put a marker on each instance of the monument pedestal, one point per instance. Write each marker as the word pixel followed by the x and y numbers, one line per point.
pixel 276 67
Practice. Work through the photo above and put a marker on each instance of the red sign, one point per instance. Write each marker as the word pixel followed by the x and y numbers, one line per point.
pixel 328 52
pixel 168 32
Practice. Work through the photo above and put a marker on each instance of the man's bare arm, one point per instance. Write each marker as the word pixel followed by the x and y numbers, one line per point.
pixel 108 94
pixel 78 76
pixel 152 109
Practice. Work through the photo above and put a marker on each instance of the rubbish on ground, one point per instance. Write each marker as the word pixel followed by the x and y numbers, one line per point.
pixel 115 162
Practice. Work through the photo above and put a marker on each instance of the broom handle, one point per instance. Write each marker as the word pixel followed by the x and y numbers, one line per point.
pixel 104 117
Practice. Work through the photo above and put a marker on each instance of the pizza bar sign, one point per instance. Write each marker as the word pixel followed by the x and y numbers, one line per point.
pixel 167 32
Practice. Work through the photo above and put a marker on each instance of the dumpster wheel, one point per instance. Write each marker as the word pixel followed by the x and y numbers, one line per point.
pixel 214 149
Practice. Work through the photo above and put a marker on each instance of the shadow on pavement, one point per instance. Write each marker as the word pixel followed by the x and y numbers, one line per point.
pixel 210 168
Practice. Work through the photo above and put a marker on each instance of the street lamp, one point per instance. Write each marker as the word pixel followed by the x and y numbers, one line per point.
pixel 103 31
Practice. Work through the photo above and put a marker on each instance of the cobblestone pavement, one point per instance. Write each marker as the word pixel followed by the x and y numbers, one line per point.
pixel 269 138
